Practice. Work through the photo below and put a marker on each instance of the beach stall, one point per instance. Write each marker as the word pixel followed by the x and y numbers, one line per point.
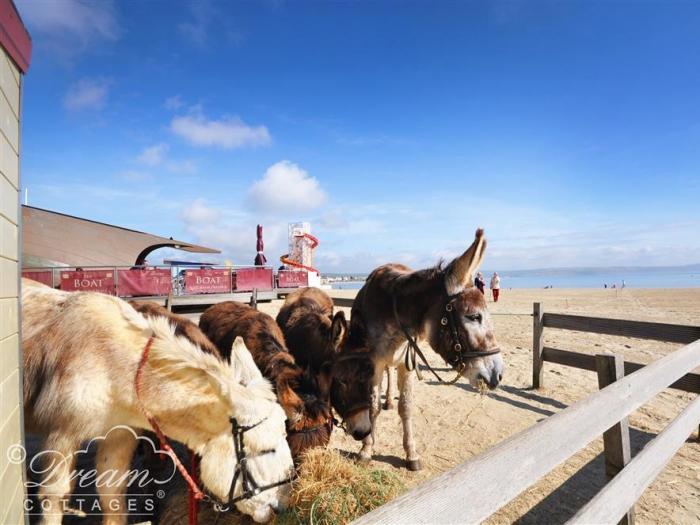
pixel 15 50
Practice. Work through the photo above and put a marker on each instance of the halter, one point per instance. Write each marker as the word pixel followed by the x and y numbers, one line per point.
pixel 250 487
pixel 354 410
pixel 460 356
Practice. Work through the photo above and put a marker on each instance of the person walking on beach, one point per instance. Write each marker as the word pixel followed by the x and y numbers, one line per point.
pixel 479 282
pixel 495 286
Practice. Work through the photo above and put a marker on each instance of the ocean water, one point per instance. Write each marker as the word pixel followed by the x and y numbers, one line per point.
pixel 636 278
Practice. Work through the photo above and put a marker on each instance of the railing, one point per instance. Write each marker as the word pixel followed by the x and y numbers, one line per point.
pixel 671 333
pixel 477 488
pixel 154 281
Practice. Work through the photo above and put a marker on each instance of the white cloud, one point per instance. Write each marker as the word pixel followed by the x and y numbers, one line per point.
pixel 70 26
pixel 135 176
pixel 197 27
pixel 226 133
pixel 88 93
pixel 173 103
pixel 200 213
pixel 157 156
pixel 232 231
pixel 286 188
pixel 153 155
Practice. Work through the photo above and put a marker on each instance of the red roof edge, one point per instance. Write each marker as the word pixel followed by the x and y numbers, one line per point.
pixel 14 36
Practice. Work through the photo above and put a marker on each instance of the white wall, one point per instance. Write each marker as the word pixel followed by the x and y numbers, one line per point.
pixel 11 485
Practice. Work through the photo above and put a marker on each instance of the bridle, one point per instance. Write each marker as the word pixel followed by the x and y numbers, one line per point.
pixel 459 357
pixel 250 487
pixel 354 410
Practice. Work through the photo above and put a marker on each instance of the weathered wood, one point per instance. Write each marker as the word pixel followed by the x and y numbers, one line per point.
pixel 569 358
pixel 537 345
pixel 254 298
pixel 688 383
pixel 498 475
pixel 671 333
pixel 616 440
pixel 625 489
pixel 343 302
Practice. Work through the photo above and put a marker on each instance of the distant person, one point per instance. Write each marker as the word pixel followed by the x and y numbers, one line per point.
pixel 605 285
pixel 623 283
pixel 495 286
pixel 479 282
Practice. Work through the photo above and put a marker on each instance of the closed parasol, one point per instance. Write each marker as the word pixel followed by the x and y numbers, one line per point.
pixel 260 259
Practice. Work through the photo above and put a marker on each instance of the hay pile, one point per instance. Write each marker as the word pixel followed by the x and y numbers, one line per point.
pixel 333 490
pixel 330 489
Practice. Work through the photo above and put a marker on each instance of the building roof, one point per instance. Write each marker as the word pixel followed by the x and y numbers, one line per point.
pixel 50 238
pixel 14 37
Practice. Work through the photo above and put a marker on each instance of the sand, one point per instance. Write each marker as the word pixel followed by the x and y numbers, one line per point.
pixel 454 423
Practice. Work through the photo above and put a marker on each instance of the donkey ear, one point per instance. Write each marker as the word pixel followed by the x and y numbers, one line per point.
pixel 460 272
pixel 242 361
pixel 339 329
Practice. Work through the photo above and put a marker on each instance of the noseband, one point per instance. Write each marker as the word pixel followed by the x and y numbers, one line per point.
pixel 250 487
pixel 459 356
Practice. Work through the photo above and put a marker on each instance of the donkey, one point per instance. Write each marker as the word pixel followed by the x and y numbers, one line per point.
pixel 82 353
pixel 398 306
pixel 309 419
pixel 183 326
pixel 317 339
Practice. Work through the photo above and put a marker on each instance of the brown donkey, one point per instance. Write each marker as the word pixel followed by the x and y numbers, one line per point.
pixel 440 305
pixel 317 339
pixel 303 400
pixel 183 326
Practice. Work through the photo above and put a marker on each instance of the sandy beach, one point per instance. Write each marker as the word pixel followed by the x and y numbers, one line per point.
pixel 454 423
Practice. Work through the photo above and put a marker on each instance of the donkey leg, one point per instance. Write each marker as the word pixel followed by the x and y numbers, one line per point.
pixel 405 384
pixel 54 494
pixel 389 399
pixel 368 442
pixel 112 460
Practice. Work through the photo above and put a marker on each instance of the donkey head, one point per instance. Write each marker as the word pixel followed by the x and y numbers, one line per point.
pixel 348 380
pixel 251 403
pixel 460 325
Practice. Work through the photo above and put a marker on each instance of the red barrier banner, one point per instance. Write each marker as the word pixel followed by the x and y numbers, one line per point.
pixel 40 276
pixel 292 279
pixel 88 281
pixel 245 279
pixel 139 282
pixel 207 281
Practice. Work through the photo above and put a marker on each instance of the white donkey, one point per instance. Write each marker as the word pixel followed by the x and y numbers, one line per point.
pixel 81 355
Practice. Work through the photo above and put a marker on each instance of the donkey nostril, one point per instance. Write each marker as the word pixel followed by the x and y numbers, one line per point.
pixel 500 377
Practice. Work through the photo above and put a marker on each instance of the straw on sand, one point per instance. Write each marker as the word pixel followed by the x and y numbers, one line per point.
pixel 331 489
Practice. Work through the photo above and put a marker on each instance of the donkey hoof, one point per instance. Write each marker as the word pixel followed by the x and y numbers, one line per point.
pixel 414 464
pixel 363 460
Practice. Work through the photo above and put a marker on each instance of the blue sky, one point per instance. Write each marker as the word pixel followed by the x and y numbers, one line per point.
pixel 569 130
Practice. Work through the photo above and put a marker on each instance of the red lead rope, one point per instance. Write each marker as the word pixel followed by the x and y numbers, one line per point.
pixel 195 494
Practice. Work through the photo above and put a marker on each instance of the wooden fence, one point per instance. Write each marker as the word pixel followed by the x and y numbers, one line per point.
pixel 671 333
pixel 477 488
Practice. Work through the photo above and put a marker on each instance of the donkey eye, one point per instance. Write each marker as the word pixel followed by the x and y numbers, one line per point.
pixel 474 317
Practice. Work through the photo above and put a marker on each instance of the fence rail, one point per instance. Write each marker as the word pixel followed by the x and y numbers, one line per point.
pixel 500 474
pixel 671 333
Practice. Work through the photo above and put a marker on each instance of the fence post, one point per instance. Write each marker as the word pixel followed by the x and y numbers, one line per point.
pixel 616 440
pixel 254 298
pixel 537 345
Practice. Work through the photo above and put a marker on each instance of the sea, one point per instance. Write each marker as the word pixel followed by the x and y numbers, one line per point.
pixel 681 277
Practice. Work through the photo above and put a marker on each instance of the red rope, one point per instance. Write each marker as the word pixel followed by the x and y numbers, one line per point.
pixel 195 494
